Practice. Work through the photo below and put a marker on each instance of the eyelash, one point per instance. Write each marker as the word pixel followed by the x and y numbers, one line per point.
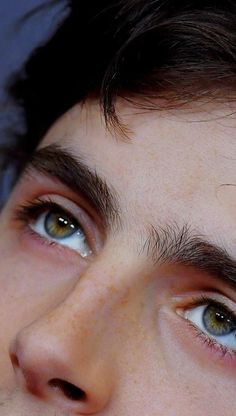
pixel 32 209
pixel 204 338
pixel 211 343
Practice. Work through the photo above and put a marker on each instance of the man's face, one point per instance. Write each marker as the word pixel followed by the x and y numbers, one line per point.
pixel 117 288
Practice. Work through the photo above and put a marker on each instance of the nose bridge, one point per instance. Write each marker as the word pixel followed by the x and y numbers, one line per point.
pixel 101 295
pixel 92 306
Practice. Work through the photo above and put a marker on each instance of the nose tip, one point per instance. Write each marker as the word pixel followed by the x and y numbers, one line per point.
pixel 25 373
pixel 46 372
pixel 62 387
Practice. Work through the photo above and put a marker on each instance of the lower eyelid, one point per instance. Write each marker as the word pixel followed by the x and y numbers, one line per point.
pixel 55 251
pixel 211 343
pixel 42 239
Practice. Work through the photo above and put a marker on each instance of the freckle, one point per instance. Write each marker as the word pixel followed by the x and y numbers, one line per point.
pixel 124 301
pixel 112 289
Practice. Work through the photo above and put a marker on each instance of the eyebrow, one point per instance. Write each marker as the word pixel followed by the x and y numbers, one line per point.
pixel 173 244
pixel 58 163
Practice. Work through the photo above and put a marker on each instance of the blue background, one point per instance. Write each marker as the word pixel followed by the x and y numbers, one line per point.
pixel 17 41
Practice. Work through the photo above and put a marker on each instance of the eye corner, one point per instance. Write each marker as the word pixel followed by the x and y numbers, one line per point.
pixel 180 312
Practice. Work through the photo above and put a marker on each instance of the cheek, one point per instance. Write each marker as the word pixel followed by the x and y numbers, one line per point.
pixel 34 278
pixel 32 285
pixel 30 288
pixel 26 284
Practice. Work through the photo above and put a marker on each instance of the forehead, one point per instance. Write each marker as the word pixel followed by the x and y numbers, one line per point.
pixel 175 166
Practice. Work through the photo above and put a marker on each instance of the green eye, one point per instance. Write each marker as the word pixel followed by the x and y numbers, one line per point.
pixel 218 321
pixel 59 225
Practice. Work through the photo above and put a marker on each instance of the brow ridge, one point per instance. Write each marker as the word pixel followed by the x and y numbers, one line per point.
pixel 59 163
pixel 173 244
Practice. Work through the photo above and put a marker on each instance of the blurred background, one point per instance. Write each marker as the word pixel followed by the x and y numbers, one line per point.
pixel 24 25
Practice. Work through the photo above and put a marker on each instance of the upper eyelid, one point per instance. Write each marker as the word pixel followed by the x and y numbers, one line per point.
pixel 41 206
pixel 182 303
pixel 87 183
pixel 205 300
pixel 49 199
pixel 55 188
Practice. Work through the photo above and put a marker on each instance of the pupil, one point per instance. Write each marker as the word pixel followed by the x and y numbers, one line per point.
pixel 220 317
pixel 62 222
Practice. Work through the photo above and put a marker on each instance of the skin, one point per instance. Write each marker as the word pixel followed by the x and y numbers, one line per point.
pixel 114 324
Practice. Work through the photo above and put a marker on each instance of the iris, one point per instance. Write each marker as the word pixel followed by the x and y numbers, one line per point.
pixel 218 321
pixel 59 226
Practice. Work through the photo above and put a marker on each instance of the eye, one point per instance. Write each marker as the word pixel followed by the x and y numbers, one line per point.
pixel 62 228
pixel 216 321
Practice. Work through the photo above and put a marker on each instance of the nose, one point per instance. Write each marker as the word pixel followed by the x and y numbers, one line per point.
pixel 61 363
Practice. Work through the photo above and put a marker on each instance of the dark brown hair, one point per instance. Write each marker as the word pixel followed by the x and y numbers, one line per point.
pixel 176 50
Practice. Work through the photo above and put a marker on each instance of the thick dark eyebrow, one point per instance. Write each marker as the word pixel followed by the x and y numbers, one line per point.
pixel 58 163
pixel 171 244
pixel 180 245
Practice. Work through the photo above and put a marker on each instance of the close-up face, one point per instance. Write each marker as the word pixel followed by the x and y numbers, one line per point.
pixel 118 277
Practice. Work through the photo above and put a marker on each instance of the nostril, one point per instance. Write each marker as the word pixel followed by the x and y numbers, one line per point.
pixel 69 390
pixel 14 360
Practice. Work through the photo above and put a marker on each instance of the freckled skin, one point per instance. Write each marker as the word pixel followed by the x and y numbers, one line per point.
pixel 109 326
